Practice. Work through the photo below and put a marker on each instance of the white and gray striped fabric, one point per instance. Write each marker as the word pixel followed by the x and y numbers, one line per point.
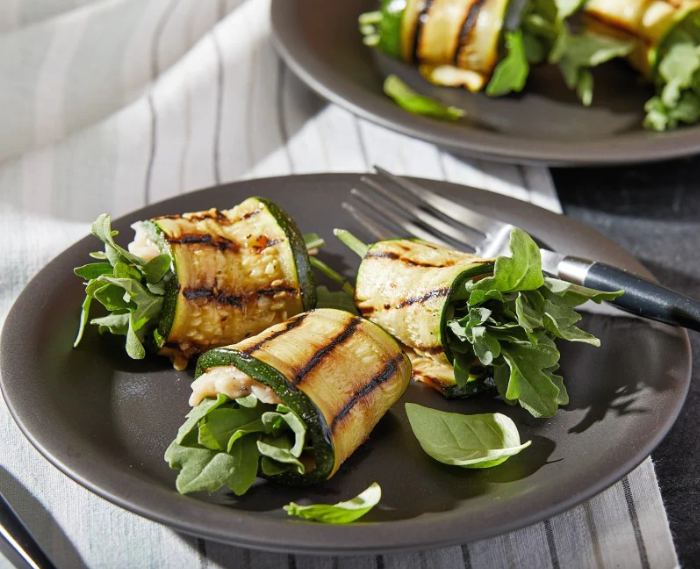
pixel 107 105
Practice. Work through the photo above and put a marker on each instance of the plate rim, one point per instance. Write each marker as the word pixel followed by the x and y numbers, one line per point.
pixel 626 148
pixel 333 537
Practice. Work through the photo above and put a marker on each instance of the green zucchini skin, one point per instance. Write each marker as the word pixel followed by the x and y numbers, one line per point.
pixel 405 287
pixel 236 272
pixel 338 372
pixel 305 273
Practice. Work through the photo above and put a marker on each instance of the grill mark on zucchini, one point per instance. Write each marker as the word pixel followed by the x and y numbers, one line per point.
pixel 429 349
pixel 468 27
pixel 396 257
pixel 422 17
pixel 213 213
pixel 253 213
pixel 220 243
pixel 290 326
pixel 383 376
pixel 233 299
pixel 437 293
pixel 321 354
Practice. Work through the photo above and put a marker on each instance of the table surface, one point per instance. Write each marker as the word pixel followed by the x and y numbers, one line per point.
pixel 654 212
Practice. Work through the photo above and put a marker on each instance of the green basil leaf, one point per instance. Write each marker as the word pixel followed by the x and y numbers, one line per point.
pixel 219 425
pixel 156 268
pixel 511 74
pixel 340 513
pixel 418 104
pixel 279 449
pixel 469 441
pixel 246 458
pixel 338 299
pixel 197 413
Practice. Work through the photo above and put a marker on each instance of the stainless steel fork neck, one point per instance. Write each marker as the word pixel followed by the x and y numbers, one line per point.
pixel 574 270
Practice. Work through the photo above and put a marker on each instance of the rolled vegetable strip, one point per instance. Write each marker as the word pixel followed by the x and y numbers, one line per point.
pixel 195 281
pixel 454 42
pixel 471 323
pixel 331 375
pixel 667 51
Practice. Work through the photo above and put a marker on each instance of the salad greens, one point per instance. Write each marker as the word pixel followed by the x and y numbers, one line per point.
pixel 129 287
pixel 419 104
pixel 548 36
pixel 225 442
pixel 678 78
pixel 509 321
pixel 469 441
pixel 340 513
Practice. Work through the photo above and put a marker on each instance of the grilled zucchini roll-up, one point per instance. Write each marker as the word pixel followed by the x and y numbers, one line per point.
pixel 290 404
pixel 471 323
pixel 454 42
pixel 199 280
pixel 666 38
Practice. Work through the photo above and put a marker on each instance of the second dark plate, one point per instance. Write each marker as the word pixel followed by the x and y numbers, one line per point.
pixel 320 41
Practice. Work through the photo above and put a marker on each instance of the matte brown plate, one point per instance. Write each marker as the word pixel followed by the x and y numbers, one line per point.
pixel 320 41
pixel 106 420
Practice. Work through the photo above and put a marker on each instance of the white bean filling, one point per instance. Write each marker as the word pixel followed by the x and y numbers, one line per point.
pixel 142 245
pixel 233 383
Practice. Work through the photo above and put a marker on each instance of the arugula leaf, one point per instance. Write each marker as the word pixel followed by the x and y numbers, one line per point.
pixel 576 54
pixel 521 271
pixel 126 285
pixel 419 104
pixel 510 75
pixel 469 441
pixel 340 513
pixel 224 442
pixel 509 321
pixel 677 78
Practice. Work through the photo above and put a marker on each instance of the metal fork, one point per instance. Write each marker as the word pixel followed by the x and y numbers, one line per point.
pixel 419 212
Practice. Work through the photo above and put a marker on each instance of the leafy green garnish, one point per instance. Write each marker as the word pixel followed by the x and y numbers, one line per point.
pixel 419 104
pixel 511 73
pixel 509 321
pixel 677 78
pixel 340 513
pixel 129 287
pixel 469 441
pixel 225 442
pixel 548 36
pixel 338 299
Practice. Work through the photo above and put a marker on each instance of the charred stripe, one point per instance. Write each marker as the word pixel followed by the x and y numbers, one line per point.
pixel 382 377
pixel 290 326
pixel 222 297
pixel 396 257
pixel 220 243
pixel 468 26
pixel 321 354
pixel 437 293
pixel 422 19
pixel 253 213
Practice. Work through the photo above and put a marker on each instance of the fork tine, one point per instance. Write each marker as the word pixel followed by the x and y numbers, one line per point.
pixel 380 232
pixel 408 226
pixel 453 210
pixel 435 223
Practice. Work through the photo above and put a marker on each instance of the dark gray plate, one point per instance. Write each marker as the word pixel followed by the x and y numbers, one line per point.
pixel 105 420
pixel 320 41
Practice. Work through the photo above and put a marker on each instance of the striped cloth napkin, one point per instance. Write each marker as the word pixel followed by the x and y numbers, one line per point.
pixel 107 105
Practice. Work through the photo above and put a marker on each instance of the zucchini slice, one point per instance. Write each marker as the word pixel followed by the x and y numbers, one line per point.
pixel 237 272
pixel 649 22
pixel 339 373
pixel 405 286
